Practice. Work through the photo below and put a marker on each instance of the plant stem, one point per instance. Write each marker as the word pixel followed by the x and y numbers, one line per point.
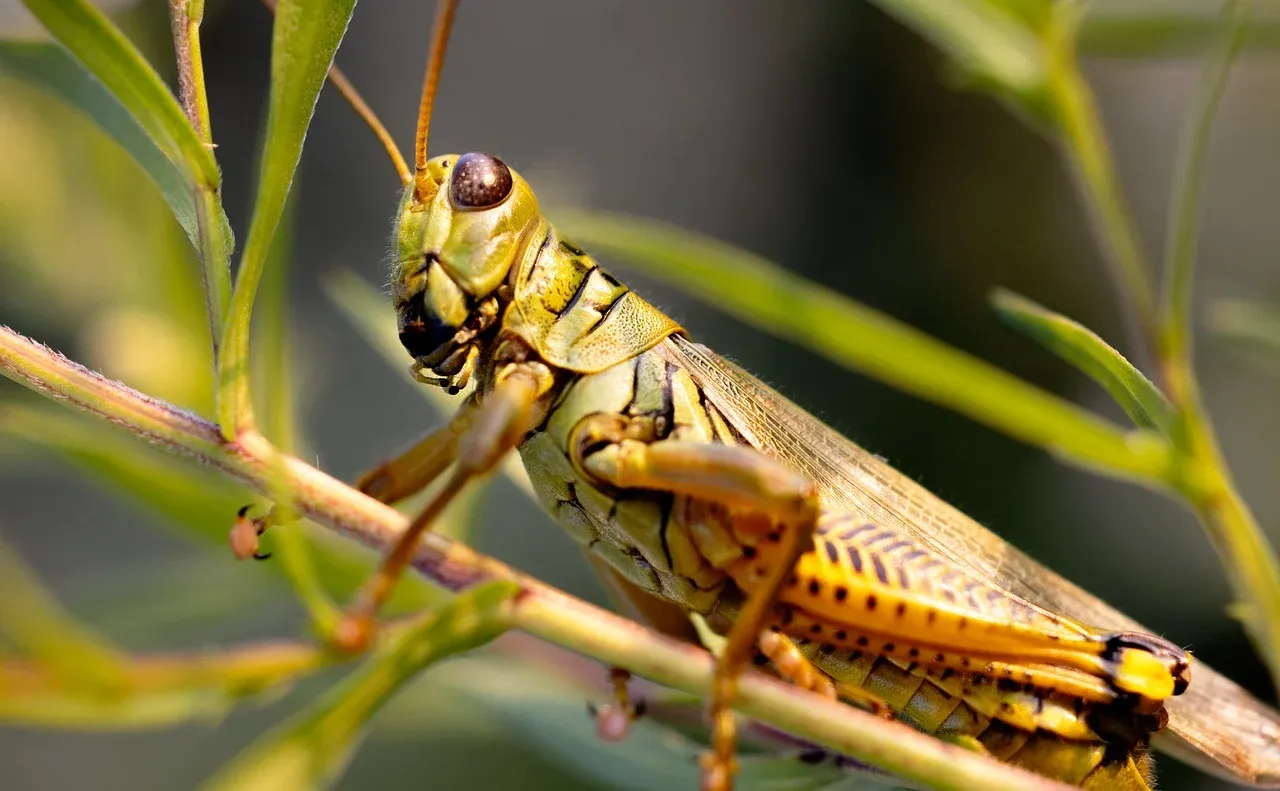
pixel 32 622
pixel 252 666
pixel 1201 475
pixel 1183 230
pixel 215 245
pixel 185 17
pixel 1086 148
pixel 539 609
pixel 1127 30
pixel 153 690
pixel 1252 569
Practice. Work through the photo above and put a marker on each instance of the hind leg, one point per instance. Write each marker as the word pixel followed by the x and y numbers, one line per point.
pixel 783 507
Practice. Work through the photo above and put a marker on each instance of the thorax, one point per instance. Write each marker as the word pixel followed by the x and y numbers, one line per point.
pixel 641 533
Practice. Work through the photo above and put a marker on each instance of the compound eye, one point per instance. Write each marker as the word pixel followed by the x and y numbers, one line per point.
pixel 479 181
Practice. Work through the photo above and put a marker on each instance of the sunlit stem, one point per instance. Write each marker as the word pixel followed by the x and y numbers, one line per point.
pixel 185 17
pixel 1200 471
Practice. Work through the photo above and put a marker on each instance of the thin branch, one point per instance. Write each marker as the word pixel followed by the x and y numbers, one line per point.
pixel 154 689
pixel 185 17
pixel 539 610
pixel 1200 472
pixel 279 422
pixel 251 666
pixel 1184 206
pixel 1085 146
pixel 1166 30
pixel 1253 570
pixel 214 233
pixel 35 624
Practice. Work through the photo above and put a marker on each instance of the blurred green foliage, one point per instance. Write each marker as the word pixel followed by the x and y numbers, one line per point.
pixel 130 279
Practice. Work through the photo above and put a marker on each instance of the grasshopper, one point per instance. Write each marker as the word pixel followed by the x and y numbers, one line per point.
pixel 697 489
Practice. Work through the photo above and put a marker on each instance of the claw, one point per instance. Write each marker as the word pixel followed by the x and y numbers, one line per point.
pixel 244 536
pixel 245 532
pixel 354 633
pixel 613 720
pixel 717 775
pixel 612 723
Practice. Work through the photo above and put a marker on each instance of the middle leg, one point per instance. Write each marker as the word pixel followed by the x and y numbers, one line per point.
pixel 495 426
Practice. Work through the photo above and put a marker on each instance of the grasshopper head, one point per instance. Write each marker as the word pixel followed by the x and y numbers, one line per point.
pixel 458 235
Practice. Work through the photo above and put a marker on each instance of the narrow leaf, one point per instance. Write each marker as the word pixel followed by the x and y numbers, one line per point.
pixel 546 712
pixel 993 46
pixel 1076 126
pixel 307 34
pixel 855 336
pixel 112 59
pixel 197 501
pixel 156 691
pixel 36 625
pixel 100 46
pixel 310 752
pixel 275 364
pixel 1154 30
pixel 148 604
pixel 1079 346
pixel 50 67
pixel 1184 205
pixel 1247 322
pixel 202 501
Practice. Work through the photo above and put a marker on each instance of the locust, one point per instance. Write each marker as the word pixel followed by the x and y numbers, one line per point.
pixel 696 489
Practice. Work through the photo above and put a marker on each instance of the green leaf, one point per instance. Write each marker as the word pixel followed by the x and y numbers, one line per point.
pixel 198 501
pixel 1150 30
pixel 275 367
pixel 1247 322
pixel 547 712
pixel 855 336
pixel 1079 346
pixel 49 67
pixel 37 625
pixel 112 59
pixel 1183 226
pixel 202 501
pixel 64 709
pixel 311 751
pixel 994 46
pixel 147 604
pixel 159 690
pixel 307 34
pixel 98 44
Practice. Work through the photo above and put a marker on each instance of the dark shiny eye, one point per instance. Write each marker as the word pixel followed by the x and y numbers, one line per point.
pixel 421 333
pixel 479 181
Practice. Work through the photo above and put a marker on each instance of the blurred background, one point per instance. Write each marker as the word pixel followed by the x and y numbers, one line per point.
pixel 819 134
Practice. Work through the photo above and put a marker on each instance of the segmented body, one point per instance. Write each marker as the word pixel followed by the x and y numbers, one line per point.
pixel 868 605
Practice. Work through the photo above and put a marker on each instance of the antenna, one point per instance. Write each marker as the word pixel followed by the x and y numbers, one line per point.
pixel 445 11
pixel 366 113
pixel 349 92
